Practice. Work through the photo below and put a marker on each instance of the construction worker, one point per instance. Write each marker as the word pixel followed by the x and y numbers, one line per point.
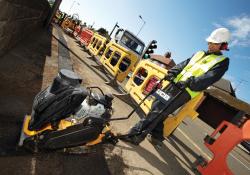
pixel 192 76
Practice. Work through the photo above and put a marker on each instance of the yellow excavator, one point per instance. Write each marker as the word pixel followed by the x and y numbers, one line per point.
pixel 70 23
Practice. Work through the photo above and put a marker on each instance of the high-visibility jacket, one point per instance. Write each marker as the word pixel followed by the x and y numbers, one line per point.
pixel 198 65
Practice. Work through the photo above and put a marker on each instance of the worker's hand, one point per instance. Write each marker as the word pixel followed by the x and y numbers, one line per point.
pixel 182 84
pixel 169 77
pixel 159 86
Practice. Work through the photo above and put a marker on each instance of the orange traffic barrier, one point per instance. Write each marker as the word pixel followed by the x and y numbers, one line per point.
pixel 85 37
pixel 230 136
pixel 77 31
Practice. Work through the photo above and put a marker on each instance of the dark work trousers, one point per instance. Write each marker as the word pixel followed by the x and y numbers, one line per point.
pixel 157 107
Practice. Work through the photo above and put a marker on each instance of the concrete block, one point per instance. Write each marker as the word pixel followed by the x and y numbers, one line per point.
pixel 4 43
pixel 3 28
pixel 37 13
pixel 32 13
pixel 15 1
pixel 16 26
pixel 13 12
pixel 19 18
pixel 10 28
pixel 26 12
pixel 3 50
pixel 4 12
pixel 21 12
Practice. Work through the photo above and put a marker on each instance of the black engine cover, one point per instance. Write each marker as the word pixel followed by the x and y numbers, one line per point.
pixel 58 101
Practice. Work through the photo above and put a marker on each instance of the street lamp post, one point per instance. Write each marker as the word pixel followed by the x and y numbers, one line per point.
pixel 144 22
pixel 92 25
pixel 73 5
pixel 116 25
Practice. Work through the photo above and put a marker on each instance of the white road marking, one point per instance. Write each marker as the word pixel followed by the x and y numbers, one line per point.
pixel 207 156
pixel 192 142
pixel 239 161
pixel 33 166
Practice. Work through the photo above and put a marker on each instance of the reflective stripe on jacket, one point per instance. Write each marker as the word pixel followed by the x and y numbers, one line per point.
pixel 199 64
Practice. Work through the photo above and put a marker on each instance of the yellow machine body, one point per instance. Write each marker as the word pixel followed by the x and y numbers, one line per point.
pixel 118 60
pixel 68 24
pixel 137 84
pixel 62 125
pixel 188 110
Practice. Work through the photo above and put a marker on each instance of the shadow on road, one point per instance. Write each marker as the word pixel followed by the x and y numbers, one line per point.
pixel 170 165
pixel 175 141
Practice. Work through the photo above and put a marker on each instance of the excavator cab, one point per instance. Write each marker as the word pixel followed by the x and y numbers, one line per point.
pixel 122 54
pixel 131 42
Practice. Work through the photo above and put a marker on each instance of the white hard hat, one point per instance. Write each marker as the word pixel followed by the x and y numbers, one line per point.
pixel 220 35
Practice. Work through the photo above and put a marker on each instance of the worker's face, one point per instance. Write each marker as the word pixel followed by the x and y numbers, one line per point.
pixel 214 47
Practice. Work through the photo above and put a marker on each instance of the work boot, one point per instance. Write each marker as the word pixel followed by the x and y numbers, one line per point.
pixel 155 142
pixel 135 140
